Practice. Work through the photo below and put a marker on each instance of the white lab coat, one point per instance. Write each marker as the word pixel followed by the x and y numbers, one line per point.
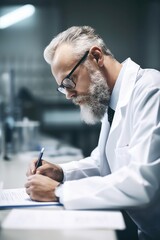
pixel 130 150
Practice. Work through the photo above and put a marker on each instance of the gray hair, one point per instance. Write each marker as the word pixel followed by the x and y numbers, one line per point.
pixel 82 38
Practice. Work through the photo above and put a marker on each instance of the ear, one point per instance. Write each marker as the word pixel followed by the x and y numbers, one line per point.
pixel 97 55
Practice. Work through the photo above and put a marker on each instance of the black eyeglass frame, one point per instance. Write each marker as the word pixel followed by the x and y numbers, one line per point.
pixel 61 88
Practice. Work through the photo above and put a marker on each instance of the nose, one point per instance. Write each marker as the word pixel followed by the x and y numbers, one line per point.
pixel 70 94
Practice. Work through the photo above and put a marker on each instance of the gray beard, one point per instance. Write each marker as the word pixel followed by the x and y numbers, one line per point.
pixel 96 100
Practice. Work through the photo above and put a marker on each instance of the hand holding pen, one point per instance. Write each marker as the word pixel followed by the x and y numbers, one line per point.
pixel 48 169
pixel 39 161
pixel 40 187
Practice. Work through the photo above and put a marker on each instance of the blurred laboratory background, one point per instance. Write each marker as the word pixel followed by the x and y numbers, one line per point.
pixel 28 95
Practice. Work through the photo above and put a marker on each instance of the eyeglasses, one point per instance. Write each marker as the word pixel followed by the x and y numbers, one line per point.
pixel 67 82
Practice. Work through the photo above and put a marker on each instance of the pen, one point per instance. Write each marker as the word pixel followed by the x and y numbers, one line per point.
pixel 39 161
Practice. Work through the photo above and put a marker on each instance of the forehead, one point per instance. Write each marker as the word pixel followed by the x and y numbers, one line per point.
pixel 64 61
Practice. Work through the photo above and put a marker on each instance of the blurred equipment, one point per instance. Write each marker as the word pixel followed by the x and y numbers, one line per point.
pixel 18 135
pixel 26 134
pixel 8 112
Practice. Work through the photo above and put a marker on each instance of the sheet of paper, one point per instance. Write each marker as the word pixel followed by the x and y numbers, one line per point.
pixel 19 198
pixel 63 219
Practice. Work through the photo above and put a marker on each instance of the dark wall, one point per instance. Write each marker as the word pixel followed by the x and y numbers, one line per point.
pixel 129 27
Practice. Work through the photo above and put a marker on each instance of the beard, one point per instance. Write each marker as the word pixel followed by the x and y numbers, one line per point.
pixel 95 102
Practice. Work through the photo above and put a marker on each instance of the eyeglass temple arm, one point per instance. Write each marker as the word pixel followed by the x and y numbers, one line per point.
pixel 81 60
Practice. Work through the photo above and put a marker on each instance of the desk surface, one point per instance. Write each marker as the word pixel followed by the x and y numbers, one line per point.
pixel 57 234
pixel 13 174
pixel 63 234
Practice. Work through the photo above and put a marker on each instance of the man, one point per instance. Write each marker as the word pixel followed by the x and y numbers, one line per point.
pixel 123 171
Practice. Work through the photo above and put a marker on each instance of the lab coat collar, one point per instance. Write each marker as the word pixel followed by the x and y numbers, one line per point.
pixel 127 84
pixel 116 89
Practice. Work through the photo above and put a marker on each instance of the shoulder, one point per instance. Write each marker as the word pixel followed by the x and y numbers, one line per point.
pixel 147 84
pixel 148 78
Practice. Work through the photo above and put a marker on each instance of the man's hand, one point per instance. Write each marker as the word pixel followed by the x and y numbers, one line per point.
pixel 41 188
pixel 47 169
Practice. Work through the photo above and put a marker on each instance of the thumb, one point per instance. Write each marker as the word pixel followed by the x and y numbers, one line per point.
pixel 41 169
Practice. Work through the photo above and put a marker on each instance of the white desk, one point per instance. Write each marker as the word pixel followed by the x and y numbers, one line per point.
pixel 13 174
pixel 63 234
pixel 57 235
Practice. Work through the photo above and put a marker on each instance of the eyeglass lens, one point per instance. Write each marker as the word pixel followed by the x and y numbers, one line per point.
pixel 68 83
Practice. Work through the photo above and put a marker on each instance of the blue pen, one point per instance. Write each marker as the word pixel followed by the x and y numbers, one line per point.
pixel 39 161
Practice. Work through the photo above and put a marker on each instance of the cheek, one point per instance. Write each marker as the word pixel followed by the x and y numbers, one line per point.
pixel 83 83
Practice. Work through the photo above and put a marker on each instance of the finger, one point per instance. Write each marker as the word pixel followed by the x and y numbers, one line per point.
pixel 28 191
pixel 27 185
pixel 31 169
pixel 33 166
pixel 29 182
pixel 28 173
pixel 42 169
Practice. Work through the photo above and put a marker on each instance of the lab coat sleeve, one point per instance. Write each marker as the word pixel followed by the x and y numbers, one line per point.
pixel 136 183
pixel 83 168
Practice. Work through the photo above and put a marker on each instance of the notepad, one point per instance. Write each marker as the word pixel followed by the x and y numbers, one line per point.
pixel 10 198
pixel 63 219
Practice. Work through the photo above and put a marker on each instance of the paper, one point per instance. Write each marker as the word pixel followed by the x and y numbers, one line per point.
pixel 63 219
pixel 19 198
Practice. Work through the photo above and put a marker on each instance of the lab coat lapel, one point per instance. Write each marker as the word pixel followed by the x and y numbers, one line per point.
pixel 127 86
